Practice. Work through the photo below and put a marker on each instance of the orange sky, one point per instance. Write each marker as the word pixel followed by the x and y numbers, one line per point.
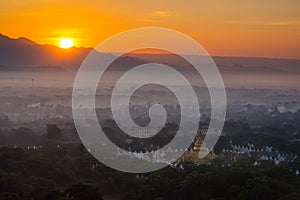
pixel 232 28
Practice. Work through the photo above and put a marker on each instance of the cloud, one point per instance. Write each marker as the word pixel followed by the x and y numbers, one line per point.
pixel 164 13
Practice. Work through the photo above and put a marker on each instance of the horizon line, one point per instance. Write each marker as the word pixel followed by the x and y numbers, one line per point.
pixel 94 48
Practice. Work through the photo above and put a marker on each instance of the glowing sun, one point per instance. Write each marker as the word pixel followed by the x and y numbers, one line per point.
pixel 66 43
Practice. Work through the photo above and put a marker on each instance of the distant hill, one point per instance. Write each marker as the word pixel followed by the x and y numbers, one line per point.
pixel 23 52
pixel 257 65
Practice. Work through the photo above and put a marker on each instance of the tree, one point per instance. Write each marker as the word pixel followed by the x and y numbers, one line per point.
pixel 9 196
pixel 81 191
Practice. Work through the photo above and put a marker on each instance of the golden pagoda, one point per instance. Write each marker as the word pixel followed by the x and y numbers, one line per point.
pixel 198 150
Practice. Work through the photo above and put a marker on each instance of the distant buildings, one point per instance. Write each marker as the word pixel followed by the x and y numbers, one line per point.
pixel 257 155
pixel 145 132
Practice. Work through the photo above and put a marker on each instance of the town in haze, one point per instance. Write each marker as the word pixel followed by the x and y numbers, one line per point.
pixel 45 153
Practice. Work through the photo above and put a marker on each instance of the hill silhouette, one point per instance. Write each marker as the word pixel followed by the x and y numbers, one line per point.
pixel 22 52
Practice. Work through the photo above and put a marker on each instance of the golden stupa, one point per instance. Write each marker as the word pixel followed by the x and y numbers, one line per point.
pixel 195 156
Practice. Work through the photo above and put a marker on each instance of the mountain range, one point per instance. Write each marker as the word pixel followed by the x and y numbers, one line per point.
pixel 22 52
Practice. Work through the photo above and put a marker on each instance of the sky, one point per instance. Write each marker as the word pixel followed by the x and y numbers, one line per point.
pixel 265 28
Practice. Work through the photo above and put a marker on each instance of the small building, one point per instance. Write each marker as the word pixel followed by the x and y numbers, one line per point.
pixel 53 132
